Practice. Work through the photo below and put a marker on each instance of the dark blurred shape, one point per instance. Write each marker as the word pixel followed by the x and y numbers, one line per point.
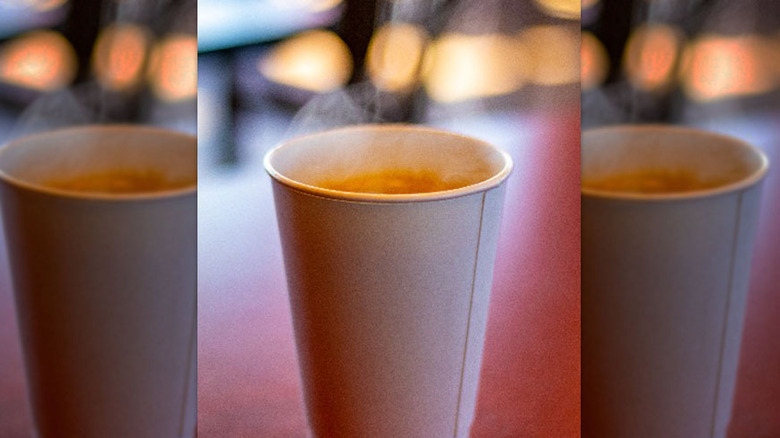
pixel 356 28
pixel 612 28
pixel 81 28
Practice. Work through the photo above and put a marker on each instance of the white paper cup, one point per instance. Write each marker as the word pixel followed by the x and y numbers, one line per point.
pixel 389 293
pixel 664 283
pixel 105 285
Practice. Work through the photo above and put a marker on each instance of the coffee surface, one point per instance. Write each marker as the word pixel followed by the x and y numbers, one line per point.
pixel 651 181
pixel 119 181
pixel 394 182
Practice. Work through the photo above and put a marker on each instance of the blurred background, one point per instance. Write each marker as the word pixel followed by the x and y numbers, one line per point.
pixel 507 71
pixel 682 62
pixel 432 62
pixel 68 62
pixel 710 64
pixel 71 62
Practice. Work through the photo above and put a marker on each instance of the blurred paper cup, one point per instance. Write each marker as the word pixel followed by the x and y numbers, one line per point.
pixel 105 283
pixel 389 292
pixel 664 279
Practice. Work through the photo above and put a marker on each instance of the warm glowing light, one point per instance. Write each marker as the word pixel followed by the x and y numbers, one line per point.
pixel 594 63
pixel 717 67
pixel 773 46
pixel 651 54
pixel 394 56
pixel 460 67
pixel 38 5
pixel 119 56
pixel 317 61
pixel 310 5
pixel 554 53
pixel 173 68
pixel 569 9
pixel 42 60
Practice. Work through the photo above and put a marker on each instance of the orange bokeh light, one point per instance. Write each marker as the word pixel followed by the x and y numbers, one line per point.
pixel 395 55
pixel 37 5
pixel 307 5
pixel 651 55
pixel 594 63
pixel 41 60
pixel 552 53
pixel 173 68
pixel 718 67
pixel 316 60
pixel 569 9
pixel 460 67
pixel 119 55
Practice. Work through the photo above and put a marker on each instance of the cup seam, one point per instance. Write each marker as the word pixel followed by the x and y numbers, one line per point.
pixel 190 359
pixel 724 332
pixel 468 321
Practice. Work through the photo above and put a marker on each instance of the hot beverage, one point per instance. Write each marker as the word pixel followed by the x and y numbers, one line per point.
pixel 395 182
pixel 652 181
pixel 119 181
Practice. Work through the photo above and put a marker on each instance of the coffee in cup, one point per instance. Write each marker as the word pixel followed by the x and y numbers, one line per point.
pixel 394 182
pixel 119 181
pixel 653 180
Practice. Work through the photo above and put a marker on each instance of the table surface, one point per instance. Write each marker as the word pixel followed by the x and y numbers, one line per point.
pixel 530 384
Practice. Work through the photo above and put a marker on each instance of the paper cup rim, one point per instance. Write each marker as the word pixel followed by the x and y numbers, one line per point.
pixel 494 181
pixel 742 184
pixel 97 196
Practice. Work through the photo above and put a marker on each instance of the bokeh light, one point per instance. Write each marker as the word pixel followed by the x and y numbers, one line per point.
pixel 395 55
pixel 173 68
pixel 316 60
pixel 36 5
pixel 40 60
pixel 569 9
pixel 119 55
pixel 594 63
pixel 460 67
pixel 308 5
pixel 554 54
pixel 773 46
pixel 717 67
pixel 651 55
